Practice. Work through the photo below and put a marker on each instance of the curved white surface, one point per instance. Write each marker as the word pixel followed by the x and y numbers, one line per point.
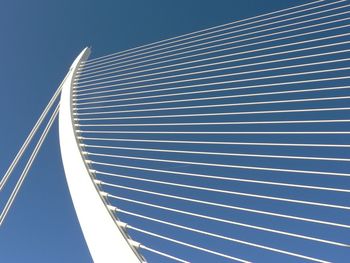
pixel 105 240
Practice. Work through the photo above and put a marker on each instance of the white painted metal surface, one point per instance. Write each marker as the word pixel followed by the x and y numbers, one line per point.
pixel 105 240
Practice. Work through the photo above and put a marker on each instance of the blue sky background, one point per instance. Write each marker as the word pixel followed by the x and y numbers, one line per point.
pixel 39 40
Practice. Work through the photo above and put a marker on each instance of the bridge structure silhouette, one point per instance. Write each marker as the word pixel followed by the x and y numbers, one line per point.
pixel 226 144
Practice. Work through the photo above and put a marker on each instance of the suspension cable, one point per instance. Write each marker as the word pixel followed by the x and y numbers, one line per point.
pixel 117 79
pixel 156 44
pixel 163 254
pixel 246 72
pixel 75 104
pixel 131 58
pixel 172 224
pixel 215 63
pixel 214 70
pixel 118 210
pixel 218 165
pixel 220 114
pixel 227 239
pixel 288 200
pixel 29 138
pixel 209 106
pixel 227 82
pixel 121 65
pixel 263 182
pixel 238 208
pixel 216 142
pixel 219 153
pixel 28 166
pixel 187 244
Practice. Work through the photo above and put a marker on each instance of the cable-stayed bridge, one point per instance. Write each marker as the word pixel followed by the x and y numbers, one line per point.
pixel 225 144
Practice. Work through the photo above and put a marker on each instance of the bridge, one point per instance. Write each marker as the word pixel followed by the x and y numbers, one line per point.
pixel 225 144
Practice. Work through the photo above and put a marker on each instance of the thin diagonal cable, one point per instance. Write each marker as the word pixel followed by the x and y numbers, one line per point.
pixel 245 167
pixel 215 177
pixel 213 70
pixel 212 58
pixel 30 136
pixel 163 254
pixel 236 241
pixel 227 96
pixel 215 90
pixel 220 133
pixel 231 74
pixel 188 244
pixel 238 208
pixel 221 153
pixel 176 225
pixel 210 123
pixel 266 197
pixel 226 105
pixel 195 99
pixel 241 224
pixel 247 34
pixel 87 87
pixel 229 81
pixel 120 65
pixel 201 215
pixel 210 114
pixel 231 54
pixel 116 77
pixel 157 44
pixel 28 166
pixel 217 142
pixel 308 21
pixel 195 46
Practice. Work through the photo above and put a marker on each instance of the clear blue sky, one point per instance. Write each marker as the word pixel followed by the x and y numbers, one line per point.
pixel 39 40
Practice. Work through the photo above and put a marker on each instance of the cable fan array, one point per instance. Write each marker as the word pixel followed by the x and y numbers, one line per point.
pixel 230 143
pixel 226 144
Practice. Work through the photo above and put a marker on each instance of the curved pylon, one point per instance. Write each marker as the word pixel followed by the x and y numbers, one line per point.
pixel 106 240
